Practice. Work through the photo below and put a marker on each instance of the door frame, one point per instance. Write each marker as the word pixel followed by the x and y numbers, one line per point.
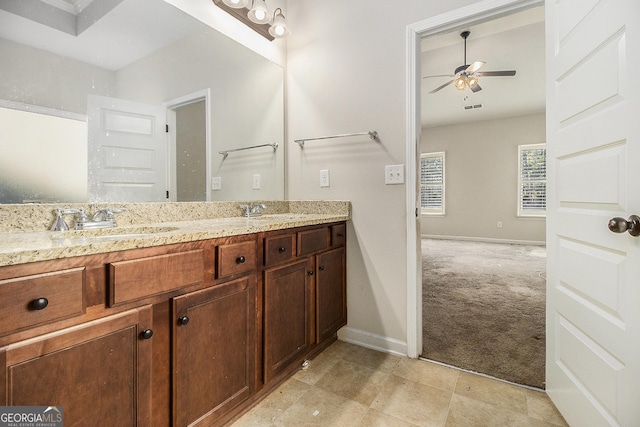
pixel 171 106
pixel 456 19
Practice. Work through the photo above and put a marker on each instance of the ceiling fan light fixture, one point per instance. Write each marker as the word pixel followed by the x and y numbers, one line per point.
pixel 460 83
pixel 472 81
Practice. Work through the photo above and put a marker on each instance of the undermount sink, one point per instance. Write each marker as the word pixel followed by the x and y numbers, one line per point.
pixel 113 233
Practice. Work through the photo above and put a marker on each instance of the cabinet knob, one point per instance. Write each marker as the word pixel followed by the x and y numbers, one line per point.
pixel 183 320
pixel 321 268
pixel 146 334
pixel 310 273
pixel 282 249
pixel 240 260
pixel 39 303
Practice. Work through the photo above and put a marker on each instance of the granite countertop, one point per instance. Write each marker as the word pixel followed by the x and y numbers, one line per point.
pixel 30 246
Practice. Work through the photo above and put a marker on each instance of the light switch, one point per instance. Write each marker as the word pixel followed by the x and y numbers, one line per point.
pixel 324 178
pixel 394 174
pixel 216 183
pixel 256 181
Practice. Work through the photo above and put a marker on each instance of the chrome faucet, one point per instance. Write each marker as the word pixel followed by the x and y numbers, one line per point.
pixel 103 218
pixel 251 211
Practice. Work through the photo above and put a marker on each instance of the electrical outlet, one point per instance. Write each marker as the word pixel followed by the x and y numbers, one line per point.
pixel 394 174
pixel 256 181
pixel 324 178
pixel 499 224
pixel 216 183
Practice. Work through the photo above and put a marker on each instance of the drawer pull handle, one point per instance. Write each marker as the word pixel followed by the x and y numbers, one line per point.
pixel 321 268
pixel 340 234
pixel 183 320
pixel 310 273
pixel 146 334
pixel 39 303
pixel 240 260
pixel 282 249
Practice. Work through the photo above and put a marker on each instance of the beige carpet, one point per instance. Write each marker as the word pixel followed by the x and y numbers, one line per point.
pixel 484 308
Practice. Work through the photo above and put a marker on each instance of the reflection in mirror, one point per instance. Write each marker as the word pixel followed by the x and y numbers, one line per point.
pixel 64 138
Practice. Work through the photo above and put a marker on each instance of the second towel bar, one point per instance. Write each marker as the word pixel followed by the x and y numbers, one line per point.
pixel 373 135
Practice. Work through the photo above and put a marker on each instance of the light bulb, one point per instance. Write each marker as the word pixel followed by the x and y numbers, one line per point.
pixel 236 4
pixel 259 12
pixel 472 81
pixel 278 26
pixel 459 83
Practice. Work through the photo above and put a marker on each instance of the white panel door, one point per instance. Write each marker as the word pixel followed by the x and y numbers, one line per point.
pixel 593 165
pixel 127 151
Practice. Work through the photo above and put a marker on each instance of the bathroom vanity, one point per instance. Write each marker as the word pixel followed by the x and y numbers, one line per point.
pixel 177 323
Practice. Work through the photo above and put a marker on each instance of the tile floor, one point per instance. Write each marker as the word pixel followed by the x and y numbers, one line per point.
pixel 347 385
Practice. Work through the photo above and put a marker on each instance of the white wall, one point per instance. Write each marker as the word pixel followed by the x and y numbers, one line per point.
pixel 346 73
pixel 481 179
pixel 247 105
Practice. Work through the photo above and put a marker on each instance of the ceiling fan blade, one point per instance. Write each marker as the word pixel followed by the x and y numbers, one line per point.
pixel 439 75
pixel 496 73
pixel 476 88
pixel 474 67
pixel 442 87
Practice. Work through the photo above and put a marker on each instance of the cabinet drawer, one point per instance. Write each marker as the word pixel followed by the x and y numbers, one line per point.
pixel 315 240
pixel 140 278
pixel 278 249
pixel 32 300
pixel 338 234
pixel 236 258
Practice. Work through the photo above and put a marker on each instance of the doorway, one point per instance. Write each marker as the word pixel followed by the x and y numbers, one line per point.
pixel 483 253
pixel 189 147
pixel 477 14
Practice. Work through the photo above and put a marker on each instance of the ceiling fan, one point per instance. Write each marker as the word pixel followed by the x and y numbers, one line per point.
pixel 467 75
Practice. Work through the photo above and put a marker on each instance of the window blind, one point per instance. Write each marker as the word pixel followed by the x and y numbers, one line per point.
pixel 533 180
pixel 432 183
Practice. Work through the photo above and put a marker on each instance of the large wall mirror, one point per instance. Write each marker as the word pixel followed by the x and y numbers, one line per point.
pixel 133 101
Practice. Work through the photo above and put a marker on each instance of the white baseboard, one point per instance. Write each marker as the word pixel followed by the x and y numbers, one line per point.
pixel 485 239
pixel 373 341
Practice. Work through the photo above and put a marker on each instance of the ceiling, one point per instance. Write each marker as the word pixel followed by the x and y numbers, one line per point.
pixel 113 37
pixel 515 42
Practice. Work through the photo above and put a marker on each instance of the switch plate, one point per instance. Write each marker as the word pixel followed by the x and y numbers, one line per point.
pixel 394 174
pixel 324 178
pixel 216 183
pixel 256 181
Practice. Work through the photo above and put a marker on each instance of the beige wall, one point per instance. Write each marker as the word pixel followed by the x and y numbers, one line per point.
pixel 37 77
pixel 347 73
pixel 481 169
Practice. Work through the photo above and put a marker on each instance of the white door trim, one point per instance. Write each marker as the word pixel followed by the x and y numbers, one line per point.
pixel 456 19
pixel 171 106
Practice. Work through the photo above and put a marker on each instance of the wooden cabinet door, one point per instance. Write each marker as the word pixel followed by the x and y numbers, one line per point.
pixel 286 327
pixel 99 372
pixel 214 359
pixel 331 293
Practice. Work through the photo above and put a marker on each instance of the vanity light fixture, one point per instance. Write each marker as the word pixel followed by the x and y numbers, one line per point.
pixel 257 17
pixel 259 12
pixel 236 4
pixel 278 27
